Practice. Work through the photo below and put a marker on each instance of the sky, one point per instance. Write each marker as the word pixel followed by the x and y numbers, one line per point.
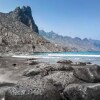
pixel 75 18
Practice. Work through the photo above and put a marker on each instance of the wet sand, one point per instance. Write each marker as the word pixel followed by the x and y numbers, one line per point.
pixel 11 70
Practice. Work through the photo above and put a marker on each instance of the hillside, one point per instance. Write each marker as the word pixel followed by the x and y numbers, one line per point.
pixel 74 44
pixel 19 33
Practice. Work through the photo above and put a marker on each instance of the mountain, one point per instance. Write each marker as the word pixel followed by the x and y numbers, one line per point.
pixel 73 44
pixel 19 33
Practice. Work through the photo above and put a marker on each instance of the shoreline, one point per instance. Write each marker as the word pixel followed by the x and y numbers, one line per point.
pixel 24 71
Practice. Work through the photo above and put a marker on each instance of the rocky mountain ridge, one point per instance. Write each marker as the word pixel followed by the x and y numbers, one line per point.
pixel 73 44
pixel 19 33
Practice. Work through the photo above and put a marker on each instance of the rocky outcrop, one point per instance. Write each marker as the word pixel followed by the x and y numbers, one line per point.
pixel 19 33
pixel 40 69
pixel 59 81
pixel 90 73
pixel 24 15
pixel 82 92
pixel 65 61
pixel 33 90
pixel 44 69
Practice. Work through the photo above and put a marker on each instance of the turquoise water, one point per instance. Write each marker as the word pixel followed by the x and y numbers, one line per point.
pixel 93 57
pixel 71 53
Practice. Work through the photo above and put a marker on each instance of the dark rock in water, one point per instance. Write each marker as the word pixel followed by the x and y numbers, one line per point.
pixel 65 61
pixel 82 92
pixel 90 73
pixel 33 90
pixel 31 59
pixel 61 78
pixel 88 63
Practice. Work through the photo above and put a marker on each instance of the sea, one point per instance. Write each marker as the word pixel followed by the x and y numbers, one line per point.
pixel 53 57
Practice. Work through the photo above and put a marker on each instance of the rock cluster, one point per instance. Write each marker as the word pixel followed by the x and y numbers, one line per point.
pixel 57 82
pixel 33 90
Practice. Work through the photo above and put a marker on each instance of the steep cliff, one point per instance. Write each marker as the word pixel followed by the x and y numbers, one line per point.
pixel 19 33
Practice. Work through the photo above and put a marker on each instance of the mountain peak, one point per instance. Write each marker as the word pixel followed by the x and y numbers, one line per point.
pixel 24 15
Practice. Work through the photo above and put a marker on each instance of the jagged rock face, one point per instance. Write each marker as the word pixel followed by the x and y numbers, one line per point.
pixel 24 15
pixel 18 33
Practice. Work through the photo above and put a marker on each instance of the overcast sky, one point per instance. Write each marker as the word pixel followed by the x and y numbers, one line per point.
pixel 76 18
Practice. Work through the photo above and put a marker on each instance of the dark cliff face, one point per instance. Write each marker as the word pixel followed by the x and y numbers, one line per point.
pixel 24 15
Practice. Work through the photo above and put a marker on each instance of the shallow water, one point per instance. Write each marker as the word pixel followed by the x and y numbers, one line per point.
pixel 93 57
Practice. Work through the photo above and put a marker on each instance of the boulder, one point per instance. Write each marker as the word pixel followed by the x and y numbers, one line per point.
pixel 61 78
pixel 44 69
pixel 62 67
pixel 33 90
pixel 65 61
pixel 31 62
pixel 31 59
pixel 80 63
pixel 88 63
pixel 90 73
pixel 32 72
pixel 41 69
pixel 82 92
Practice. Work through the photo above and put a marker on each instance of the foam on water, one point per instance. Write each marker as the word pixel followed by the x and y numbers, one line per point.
pixel 71 55
pixel 33 56
pixel 93 57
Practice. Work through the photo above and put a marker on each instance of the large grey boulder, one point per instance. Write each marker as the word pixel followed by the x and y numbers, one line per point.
pixel 90 73
pixel 44 69
pixel 82 92
pixel 62 67
pixel 33 90
pixel 60 79
pixel 39 69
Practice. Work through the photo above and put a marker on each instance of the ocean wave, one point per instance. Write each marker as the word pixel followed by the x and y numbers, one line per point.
pixel 33 56
pixel 71 55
